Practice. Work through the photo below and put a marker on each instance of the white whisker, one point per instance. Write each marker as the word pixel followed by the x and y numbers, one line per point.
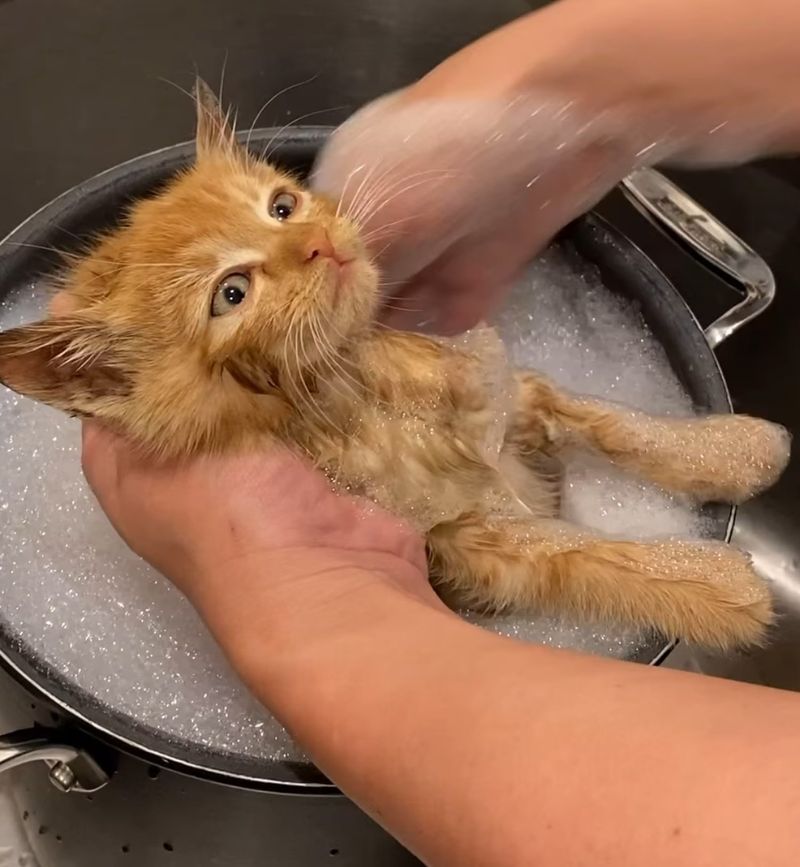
pixel 385 188
pixel 353 207
pixel 272 99
pixel 344 189
pixel 389 199
pixel 268 150
pixel 222 76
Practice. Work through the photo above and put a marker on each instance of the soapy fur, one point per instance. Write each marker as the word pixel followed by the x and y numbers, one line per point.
pixel 406 420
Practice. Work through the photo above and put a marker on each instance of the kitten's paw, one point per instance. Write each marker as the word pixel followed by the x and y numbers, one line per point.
pixel 721 601
pixel 746 456
pixel 764 453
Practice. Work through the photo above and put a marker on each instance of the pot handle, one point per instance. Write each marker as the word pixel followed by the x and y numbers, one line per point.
pixel 683 219
pixel 71 769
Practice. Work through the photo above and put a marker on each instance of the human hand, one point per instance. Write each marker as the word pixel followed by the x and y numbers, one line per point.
pixel 455 196
pixel 259 543
pixel 460 179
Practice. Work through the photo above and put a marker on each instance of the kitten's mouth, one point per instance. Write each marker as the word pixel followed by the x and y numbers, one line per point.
pixel 340 272
pixel 341 264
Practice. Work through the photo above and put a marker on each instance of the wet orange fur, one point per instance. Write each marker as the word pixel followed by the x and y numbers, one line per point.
pixel 399 417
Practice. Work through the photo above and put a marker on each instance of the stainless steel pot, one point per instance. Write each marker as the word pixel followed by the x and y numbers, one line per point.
pixel 135 798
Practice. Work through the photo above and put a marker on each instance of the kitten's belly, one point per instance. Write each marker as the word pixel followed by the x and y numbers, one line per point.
pixel 409 485
pixel 428 478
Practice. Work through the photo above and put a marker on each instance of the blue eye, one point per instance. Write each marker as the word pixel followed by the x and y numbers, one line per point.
pixel 282 207
pixel 229 294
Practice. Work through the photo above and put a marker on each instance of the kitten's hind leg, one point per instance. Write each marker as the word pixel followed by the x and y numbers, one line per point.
pixel 705 593
pixel 719 457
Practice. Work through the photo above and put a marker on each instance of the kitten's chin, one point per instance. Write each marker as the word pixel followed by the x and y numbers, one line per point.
pixel 354 296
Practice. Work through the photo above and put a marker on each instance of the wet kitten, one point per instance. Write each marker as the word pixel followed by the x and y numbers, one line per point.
pixel 234 308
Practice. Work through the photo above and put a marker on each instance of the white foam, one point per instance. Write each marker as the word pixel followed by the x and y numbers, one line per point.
pixel 118 630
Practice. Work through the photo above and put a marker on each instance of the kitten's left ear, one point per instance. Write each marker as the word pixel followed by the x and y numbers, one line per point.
pixel 214 131
pixel 68 362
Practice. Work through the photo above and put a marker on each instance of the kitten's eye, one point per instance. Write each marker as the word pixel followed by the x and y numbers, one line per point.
pixel 283 205
pixel 230 292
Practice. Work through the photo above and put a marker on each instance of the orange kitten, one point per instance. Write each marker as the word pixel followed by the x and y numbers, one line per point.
pixel 234 308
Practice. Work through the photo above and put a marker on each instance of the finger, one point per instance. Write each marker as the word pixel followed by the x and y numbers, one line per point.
pixel 94 434
pixel 455 295
pixel 468 282
pixel 415 306
pixel 430 308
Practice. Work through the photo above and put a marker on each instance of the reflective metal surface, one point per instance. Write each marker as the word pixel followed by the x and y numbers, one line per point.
pixel 670 209
pixel 71 769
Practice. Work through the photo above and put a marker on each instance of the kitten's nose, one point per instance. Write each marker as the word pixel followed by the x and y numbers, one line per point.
pixel 319 244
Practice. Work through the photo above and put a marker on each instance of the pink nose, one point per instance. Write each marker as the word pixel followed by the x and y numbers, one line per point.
pixel 318 244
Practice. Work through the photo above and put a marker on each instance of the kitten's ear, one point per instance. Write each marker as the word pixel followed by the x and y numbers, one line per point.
pixel 214 132
pixel 68 362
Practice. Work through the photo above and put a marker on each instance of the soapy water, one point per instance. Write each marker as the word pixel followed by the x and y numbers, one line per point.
pixel 114 628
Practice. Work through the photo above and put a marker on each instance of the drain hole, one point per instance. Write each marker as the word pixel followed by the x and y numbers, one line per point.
pixel 125 849
pixel 333 852
pixel 153 772
pixel 42 829
pixel 25 816
pixel 169 847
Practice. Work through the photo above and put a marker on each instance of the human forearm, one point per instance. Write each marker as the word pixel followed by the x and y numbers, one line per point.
pixel 681 67
pixel 477 750
pixel 462 177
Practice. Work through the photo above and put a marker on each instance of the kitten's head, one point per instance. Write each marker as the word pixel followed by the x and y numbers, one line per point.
pixel 184 326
